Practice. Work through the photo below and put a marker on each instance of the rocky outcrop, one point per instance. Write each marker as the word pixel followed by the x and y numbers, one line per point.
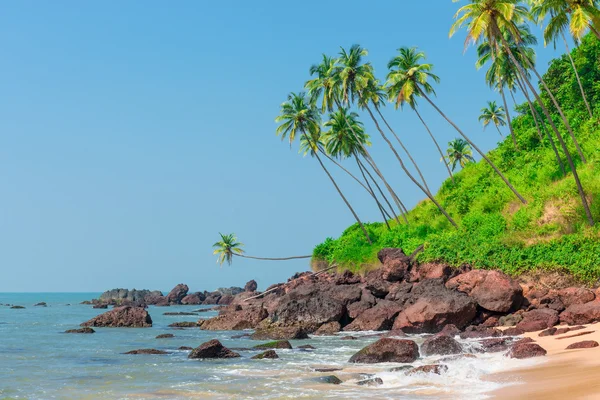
pixel 537 320
pixel 122 317
pixel 193 298
pixel 277 332
pixel 251 286
pixel 328 329
pixel 526 350
pixel 387 350
pixel 124 296
pixel 581 314
pixel 379 318
pixel 492 290
pixel 177 294
pixel 247 318
pixel 212 349
pixel 441 345
pixel 395 264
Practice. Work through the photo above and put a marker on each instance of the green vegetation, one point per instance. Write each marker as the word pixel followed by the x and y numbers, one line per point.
pixel 495 229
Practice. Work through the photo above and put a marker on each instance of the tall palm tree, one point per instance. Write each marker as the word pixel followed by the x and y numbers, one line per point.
pixel 488 19
pixel 353 77
pixel 406 74
pixel 423 91
pixel 298 117
pixel 322 86
pixel 581 14
pixel 228 247
pixel 493 114
pixel 459 152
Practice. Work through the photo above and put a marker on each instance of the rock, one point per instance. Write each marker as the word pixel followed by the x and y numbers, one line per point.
pixel 492 290
pixel 124 296
pixel 184 324
pixel 193 299
pixel 430 271
pixel 367 301
pixel 328 329
pixel 146 351
pixel 247 318
pixel 212 298
pixel 396 264
pixel 122 317
pixel 180 313
pixel 576 335
pixel 225 300
pixel 432 306
pixel 437 369
pixel 212 349
pixel 275 332
pixel 586 344
pixel 270 354
pixel 102 306
pixel 526 350
pixel 370 382
pixel 375 283
pixel 347 278
pixel 510 320
pixel 524 340
pixel 440 345
pixel 397 333
pixel 41 304
pixel 481 331
pixel 401 368
pixel 581 314
pixel 251 286
pixel 494 345
pixel 537 320
pixel 156 299
pixel 332 379
pixel 307 347
pixel 348 338
pixel 574 296
pixel 449 330
pixel 278 344
pixel 379 318
pixel 177 294
pixel 308 305
pixel 165 336
pixel 17 307
pixel 513 332
pixel 231 291
pixel 387 350
pixel 399 292
pixel 81 330
pixel 548 332
pixel 333 369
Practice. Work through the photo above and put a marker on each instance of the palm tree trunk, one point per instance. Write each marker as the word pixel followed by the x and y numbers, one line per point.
pixel 407 172
pixel 481 153
pixel 595 31
pixel 535 116
pixel 512 132
pixel 583 96
pixel 272 259
pixel 563 145
pixel 547 89
pixel 381 209
pixel 498 129
pixel 436 143
pixel 399 204
pixel 378 188
pixel 412 160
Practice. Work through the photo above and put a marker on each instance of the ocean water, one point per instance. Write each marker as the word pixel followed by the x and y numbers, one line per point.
pixel 39 361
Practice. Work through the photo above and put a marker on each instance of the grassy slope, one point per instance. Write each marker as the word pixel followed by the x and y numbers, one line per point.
pixel 496 231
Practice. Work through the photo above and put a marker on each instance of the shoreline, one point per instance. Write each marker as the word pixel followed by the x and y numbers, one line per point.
pixel 563 374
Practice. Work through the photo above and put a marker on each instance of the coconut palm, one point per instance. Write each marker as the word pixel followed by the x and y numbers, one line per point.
pixel 298 117
pixel 406 74
pixel 354 77
pixel 459 153
pixel 493 114
pixel 487 19
pixel 228 247
pixel 575 16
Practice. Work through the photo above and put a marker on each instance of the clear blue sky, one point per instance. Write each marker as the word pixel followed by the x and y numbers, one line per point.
pixel 131 133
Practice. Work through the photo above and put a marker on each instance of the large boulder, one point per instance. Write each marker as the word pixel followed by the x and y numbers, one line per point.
pixel 425 271
pixel 396 264
pixel 387 350
pixel 367 300
pixel 212 298
pixel 177 294
pixel 267 331
pixel 537 320
pixel 575 295
pixel 379 318
pixel 247 318
pixel 156 299
pixel 122 317
pixel 328 329
pixel 432 306
pixel 212 349
pixel 251 286
pixel 441 345
pixel 309 304
pixel 225 300
pixel 492 290
pixel 581 314
pixel 526 350
pixel 193 298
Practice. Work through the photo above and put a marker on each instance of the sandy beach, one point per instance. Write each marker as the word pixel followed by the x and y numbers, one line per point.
pixel 563 374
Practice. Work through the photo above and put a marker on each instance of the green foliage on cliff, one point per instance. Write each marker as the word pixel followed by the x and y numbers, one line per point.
pixel 496 230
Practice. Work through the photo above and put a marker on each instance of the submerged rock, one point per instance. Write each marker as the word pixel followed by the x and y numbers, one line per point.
pixel 41 304
pixel 270 354
pixel 212 349
pixel 437 369
pixel 122 317
pixel 278 344
pixel 387 350
pixel 147 351
pixel 165 336
pixel 81 330
pixel 370 382
pixel 332 379
pixel 328 329
pixel 17 307
pixel 184 324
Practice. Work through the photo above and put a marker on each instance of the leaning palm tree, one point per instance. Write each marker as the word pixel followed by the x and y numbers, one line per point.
pixel 459 153
pixel 575 16
pixel 354 78
pixel 487 19
pixel 228 247
pixel 298 117
pixel 493 114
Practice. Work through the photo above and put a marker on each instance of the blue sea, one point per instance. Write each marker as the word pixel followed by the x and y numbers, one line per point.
pixel 39 361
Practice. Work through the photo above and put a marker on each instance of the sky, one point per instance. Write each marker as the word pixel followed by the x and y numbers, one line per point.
pixel 132 133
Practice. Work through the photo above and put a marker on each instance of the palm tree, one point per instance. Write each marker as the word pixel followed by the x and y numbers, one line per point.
pixel 488 19
pixel 459 152
pixel 405 76
pixel 228 247
pixel 323 86
pixel 353 78
pixel 493 114
pixel 582 14
pixel 298 117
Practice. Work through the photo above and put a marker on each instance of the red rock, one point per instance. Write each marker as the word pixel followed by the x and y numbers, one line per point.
pixel 248 318
pixel 581 314
pixel 440 345
pixel 494 345
pixel 481 331
pixel 513 332
pixel 367 301
pixel 193 299
pixel 147 351
pixel 573 296
pixel 430 271
pixel 212 349
pixel 526 350
pixel 561 331
pixel 396 264
pixel 587 344
pixel 524 340
pixel 251 286
pixel 276 332
pixel 449 330
pixel 428 369
pixel 177 293
pixel 537 320
pixel 379 318
pixel 492 290
pixel 548 332
pixel 328 329
pixel 387 350
pixel 122 317
pixel 347 278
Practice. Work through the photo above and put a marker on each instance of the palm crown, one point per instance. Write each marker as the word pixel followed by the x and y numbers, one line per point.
pixel 576 16
pixel 346 134
pixel 459 152
pixel 226 248
pixel 297 117
pixel 492 113
pixel 351 76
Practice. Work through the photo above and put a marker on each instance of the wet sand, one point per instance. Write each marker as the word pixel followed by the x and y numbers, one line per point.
pixel 562 374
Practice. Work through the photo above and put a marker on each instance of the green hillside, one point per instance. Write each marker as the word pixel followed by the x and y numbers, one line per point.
pixel 495 229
